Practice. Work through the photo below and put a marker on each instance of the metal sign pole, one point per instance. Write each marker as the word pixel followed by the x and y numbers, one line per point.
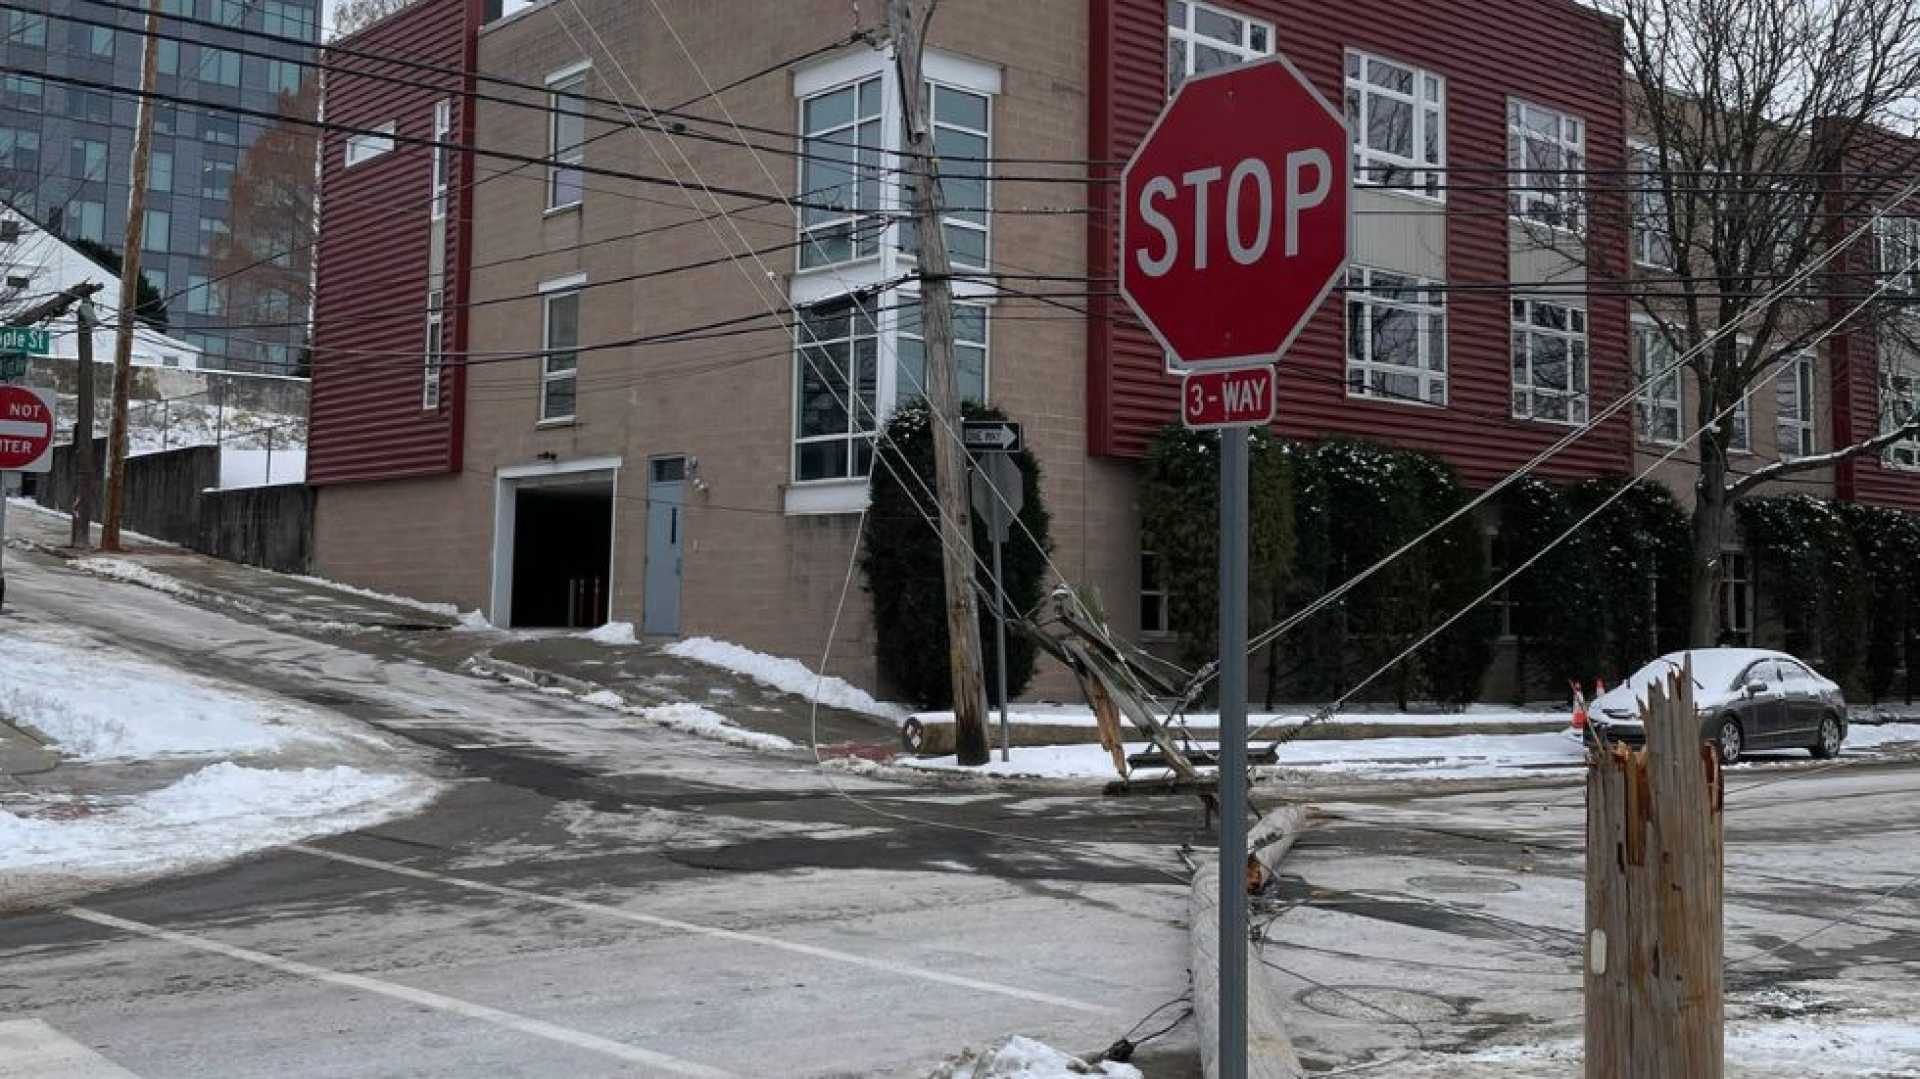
pixel 1233 753
pixel 6 492
pixel 1000 619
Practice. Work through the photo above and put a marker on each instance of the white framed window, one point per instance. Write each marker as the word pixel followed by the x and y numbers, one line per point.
pixel 442 133
pixel 962 139
pixel 1900 403
pixel 1793 394
pixel 364 146
pixel 430 386
pixel 1736 598
pixel 1546 149
pixel 837 390
pixel 156 233
pixel 566 137
pixel 1549 361
pixel 1397 113
pixel 1155 616
pixel 1203 38
pixel 559 342
pixel 910 358
pixel 1652 241
pixel 1897 257
pixel 1396 337
pixel 1661 415
pixel 842 179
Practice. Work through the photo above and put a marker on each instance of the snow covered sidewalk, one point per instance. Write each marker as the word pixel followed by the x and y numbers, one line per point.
pixel 238 771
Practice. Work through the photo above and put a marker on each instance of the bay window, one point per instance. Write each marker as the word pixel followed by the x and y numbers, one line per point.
pixel 1397 114
pixel 841 173
pixel 837 375
pixel 1549 361
pixel 1396 337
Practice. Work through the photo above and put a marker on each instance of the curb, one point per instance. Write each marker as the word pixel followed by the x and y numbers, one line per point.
pixel 1270 1053
pixel 938 738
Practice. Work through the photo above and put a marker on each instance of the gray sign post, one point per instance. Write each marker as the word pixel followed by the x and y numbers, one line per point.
pixel 999 493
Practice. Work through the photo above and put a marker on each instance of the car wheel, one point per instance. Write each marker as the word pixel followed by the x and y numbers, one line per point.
pixel 1828 746
pixel 1729 741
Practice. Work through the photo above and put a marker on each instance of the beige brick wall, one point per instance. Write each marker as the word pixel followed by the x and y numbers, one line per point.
pixel 751 572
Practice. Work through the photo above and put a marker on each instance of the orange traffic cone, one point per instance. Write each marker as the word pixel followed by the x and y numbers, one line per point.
pixel 1579 707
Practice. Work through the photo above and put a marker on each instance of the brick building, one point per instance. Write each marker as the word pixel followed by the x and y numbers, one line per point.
pixel 633 434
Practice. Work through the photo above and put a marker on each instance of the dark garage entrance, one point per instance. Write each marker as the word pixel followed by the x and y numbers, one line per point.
pixel 562 554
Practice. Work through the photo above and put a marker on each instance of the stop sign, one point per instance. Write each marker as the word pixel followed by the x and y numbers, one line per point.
pixel 1234 214
pixel 26 430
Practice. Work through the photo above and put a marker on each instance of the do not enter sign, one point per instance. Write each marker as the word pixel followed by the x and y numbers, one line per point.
pixel 1234 217
pixel 26 430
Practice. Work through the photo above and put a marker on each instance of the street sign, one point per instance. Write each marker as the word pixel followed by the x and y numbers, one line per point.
pixel 25 339
pixel 1234 215
pixel 12 365
pixel 26 429
pixel 991 436
pixel 998 472
pixel 1238 397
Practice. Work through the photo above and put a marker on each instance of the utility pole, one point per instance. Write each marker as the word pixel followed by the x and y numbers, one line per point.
pixel 130 288
pixel 936 324
pixel 86 471
pixel 1654 973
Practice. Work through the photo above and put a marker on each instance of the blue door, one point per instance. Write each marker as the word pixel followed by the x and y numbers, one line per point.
pixel 666 497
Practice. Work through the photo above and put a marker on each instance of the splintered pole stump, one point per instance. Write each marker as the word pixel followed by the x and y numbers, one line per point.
pixel 1654 983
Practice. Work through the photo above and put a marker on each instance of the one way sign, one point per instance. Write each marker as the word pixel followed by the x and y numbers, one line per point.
pixel 990 436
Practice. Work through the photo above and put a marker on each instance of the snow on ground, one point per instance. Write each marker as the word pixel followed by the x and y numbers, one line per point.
pixel 101 704
pixel 1073 715
pixel 612 633
pixel 692 719
pixel 447 609
pixel 220 812
pixel 1865 736
pixel 1827 1047
pixel 120 569
pixel 1024 1058
pixel 787 675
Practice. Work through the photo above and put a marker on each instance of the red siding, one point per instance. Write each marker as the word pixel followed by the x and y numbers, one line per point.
pixel 1547 51
pixel 371 292
pixel 1855 356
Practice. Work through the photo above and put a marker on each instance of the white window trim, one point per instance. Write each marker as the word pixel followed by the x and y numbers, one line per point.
pixel 549 291
pixel 1360 290
pixel 365 146
pixel 1647 402
pixel 442 132
pixel 1890 397
pixel 1366 157
pixel 1582 394
pixel 1805 394
pixel 1741 418
pixel 576 156
pixel 1745 584
pixel 1165 629
pixel 1557 198
pixel 1904 231
pixel 1635 151
pixel 1188 36
pixel 432 350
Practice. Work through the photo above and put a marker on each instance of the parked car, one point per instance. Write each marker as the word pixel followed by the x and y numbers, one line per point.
pixel 1748 699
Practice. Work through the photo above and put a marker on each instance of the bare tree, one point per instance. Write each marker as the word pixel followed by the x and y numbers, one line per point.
pixel 352 15
pixel 1766 133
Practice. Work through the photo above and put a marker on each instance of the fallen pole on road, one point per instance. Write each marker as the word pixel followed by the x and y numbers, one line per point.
pixel 1270 1053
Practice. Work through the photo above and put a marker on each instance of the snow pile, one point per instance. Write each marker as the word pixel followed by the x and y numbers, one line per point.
pixel 786 675
pixel 120 569
pixel 1459 757
pixel 1024 1058
pixel 98 705
pixel 612 633
pixel 220 812
pixel 1079 715
pixel 447 609
pixel 1828 1047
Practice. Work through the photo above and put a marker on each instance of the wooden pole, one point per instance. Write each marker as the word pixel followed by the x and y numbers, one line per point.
pixel 936 323
pixel 130 288
pixel 1654 972
pixel 86 470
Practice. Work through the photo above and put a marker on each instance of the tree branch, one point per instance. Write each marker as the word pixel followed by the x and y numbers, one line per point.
pixel 1785 467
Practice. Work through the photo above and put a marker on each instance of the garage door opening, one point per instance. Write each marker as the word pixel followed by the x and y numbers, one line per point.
pixel 562 554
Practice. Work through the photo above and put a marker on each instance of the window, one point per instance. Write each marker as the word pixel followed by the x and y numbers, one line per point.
pixel 157 232
pixel 213 236
pixel 100 41
pixel 1660 407
pixel 287 19
pixel 17 281
pixel 841 173
pixel 87 160
pixel 225 130
pixel 9 230
pixel 1155 618
pixel 1546 149
pixel 1397 114
pixel 430 388
pixel 219 66
pixel 160 171
pixel 559 362
pixel 228 12
pixel 837 352
pixel 204 296
pixel 566 138
pixel 1900 396
pixel 961 142
pixel 969 354
pixel 166 57
pixel 1652 239
pixel 20 151
pixel 1736 598
pixel 1549 361
pixel 156 280
pixel 91 105
pixel 1897 251
pixel 366 145
pixel 1396 337
pixel 86 220
pixel 283 77
pixel 21 92
pixel 216 180
pixel 177 7
pixel 1793 391
pixel 1737 427
pixel 166 121
pixel 1203 38
pixel 27 28
pixel 442 132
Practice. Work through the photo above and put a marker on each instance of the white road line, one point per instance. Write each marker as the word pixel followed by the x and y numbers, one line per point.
pixel 885 965
pixel 632 1054
pixel 31 1049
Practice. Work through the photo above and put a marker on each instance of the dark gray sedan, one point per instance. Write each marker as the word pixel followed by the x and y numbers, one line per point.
pixel 1748 699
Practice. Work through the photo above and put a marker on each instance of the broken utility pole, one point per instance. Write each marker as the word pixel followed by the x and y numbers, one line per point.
pixel 1654 977
pixel 86 470
pixel 130 287
pixel 936 321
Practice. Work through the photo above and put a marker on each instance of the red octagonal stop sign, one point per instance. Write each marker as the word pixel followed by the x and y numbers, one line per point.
pixel 26 429
pixel 1234 214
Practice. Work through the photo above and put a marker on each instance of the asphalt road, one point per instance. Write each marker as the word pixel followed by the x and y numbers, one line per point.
pixel 590 898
